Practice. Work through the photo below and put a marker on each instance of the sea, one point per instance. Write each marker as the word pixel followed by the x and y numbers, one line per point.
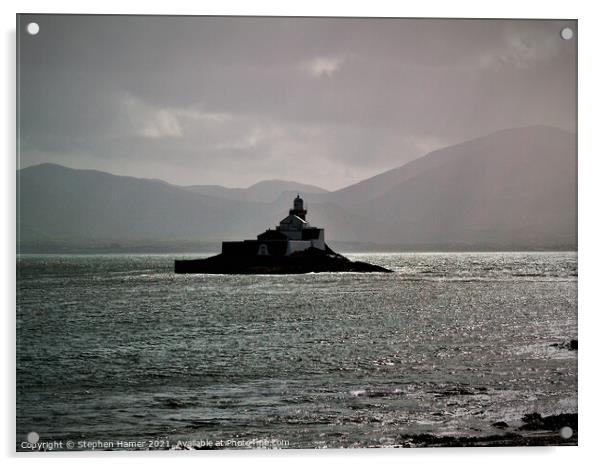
pixel 118 352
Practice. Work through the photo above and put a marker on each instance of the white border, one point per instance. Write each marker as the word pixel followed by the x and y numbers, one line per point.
pixel 590 308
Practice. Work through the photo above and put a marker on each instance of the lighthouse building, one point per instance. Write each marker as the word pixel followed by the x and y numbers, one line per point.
pixel 293 234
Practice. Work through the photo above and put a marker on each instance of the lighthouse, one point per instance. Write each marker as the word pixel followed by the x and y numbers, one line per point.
pixel 292 235
pixel 298 209
pixel 293 247
pixel 299 233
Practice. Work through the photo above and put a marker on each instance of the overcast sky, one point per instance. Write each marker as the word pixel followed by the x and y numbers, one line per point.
pixel 234 101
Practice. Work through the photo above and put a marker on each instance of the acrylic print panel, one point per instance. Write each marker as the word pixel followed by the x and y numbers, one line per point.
pixel 270 232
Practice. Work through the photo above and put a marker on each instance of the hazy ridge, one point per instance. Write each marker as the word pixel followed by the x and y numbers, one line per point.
pixel 514 189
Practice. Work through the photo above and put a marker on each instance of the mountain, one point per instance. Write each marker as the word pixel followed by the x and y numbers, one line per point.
pixel 514 189
pixel 55 202
pixel 264 191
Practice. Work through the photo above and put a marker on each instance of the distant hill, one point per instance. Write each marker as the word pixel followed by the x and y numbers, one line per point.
pixel 514 189
pixel 55 202
pixel 264 191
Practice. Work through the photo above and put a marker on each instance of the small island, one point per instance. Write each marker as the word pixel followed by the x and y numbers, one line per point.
pixel 293 247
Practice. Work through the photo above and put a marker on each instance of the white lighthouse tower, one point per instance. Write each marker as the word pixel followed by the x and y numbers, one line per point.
pixel 301 235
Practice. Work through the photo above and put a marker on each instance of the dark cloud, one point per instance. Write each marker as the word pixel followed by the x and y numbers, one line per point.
pixel 235 100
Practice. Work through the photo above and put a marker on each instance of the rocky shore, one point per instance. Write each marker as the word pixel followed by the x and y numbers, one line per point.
pixel 310 260
pixel 535 430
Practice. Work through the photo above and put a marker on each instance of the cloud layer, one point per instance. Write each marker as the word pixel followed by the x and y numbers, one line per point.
pixel 232 101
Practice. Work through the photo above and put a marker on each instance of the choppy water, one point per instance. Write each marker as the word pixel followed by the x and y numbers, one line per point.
pixel 118 348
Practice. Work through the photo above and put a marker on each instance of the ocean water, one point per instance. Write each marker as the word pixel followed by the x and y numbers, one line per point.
pixel 118 349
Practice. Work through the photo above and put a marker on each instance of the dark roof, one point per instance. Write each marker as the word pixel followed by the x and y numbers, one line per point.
pixel 271 235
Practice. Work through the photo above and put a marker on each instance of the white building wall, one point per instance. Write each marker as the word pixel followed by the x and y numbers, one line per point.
pixel 296 246
pixel 319 243
pixel 292 227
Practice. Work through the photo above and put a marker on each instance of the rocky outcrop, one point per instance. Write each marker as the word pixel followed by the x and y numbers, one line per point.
pixel 570 345
pixel 555 422
pixel 310 260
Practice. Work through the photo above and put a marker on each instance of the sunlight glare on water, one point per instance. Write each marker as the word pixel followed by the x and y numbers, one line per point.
pixel 116 346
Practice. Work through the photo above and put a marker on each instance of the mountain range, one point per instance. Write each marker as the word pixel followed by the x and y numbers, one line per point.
pixel 513 189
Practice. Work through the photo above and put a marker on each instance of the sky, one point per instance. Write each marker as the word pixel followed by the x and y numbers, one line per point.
pixel 236 100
